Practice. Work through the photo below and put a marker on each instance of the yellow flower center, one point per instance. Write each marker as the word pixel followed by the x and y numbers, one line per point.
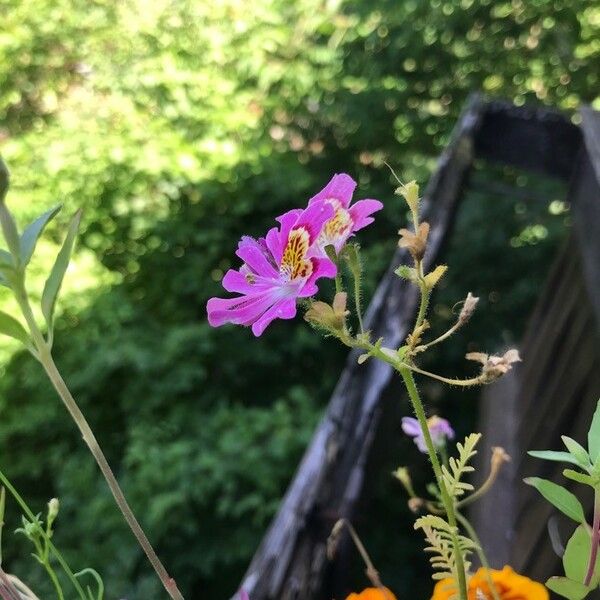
pixel 294 264
pixel 337 227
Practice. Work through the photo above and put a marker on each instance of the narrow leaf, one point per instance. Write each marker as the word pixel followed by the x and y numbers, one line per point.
pixel 558 496
pixel 579 477
pixel 554 456
pixel 12 328
pixel 576 557
pixel 9 230
pixel 577 450
pixel 594 435
pixel 33 231
pixel 563 586
pixel 55 279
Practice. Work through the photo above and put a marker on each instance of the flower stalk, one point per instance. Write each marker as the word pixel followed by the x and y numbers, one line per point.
pixel 44 355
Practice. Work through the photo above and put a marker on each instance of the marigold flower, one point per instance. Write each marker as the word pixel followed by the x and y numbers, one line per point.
pixel 439 429
pixel 508 584
pixel 277 270
pixel 346 219
pixel 373 594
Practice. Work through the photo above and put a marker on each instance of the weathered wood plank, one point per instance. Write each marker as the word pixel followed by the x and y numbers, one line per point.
pixel 586 205
pixel 532 138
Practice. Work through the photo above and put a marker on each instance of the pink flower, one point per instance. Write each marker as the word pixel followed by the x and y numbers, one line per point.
pixel 439 429
pixel 346 219
pixel 277 270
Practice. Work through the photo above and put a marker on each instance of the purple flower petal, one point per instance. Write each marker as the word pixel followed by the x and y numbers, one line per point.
pixel 411 426
pixel 360 212
pixel 340 188
pixel 282 309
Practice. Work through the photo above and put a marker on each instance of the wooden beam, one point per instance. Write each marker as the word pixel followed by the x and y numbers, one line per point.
pixel 532 138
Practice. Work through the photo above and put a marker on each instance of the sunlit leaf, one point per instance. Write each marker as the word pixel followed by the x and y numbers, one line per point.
pixel 12 328
pixel 32 232
pixel 54 281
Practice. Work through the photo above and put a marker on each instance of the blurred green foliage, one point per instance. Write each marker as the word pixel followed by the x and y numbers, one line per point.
pixel 178 126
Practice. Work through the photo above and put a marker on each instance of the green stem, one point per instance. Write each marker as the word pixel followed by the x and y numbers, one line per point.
pixel 595 540
pixel 54 580
pixel 29 514
pixel 415 399
pixel 47 361
pixel 357 302
pixel 480 553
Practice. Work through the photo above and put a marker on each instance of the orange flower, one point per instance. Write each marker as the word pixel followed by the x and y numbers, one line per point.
pixel 508 584
pixel 373 594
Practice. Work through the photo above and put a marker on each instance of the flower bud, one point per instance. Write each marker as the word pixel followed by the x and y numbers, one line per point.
pixel 410 192
pixel 468 308
pixel 416 243
pixel 53 508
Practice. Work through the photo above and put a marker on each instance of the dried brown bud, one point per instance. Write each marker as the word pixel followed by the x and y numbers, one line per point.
pixel 329 317
pixel 468 308
pixel 334 538
pixel 499 457
pixel 415 504
pixel 414 339
pixel 494 366
pixel 415 242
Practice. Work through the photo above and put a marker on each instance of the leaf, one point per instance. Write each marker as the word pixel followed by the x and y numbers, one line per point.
pixel 579 477
pixel 594 435
pixel 9 230
pixel 563 586
pixel 554 456
pixel 576 557
pixel 12 328
pixel 33 231
pixel 55 279
pixel 577 450
pixel 558 496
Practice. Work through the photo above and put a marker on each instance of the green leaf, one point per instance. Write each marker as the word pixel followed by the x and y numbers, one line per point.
pixel 577 450
pixel 33 231
pixel 9 229
pixel 579 477
pixel 563 586
pixel 554 456
pixel 55 279
pixel 558 496
pixel 594 435
pixel 12 328
pixel 576 557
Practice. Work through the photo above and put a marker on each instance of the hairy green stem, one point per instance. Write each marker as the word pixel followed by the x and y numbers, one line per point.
pixel 419 411
pixel 480 553
pixel 357 302
pixel 47 361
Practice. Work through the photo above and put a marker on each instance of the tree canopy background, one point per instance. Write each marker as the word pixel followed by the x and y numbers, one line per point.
pixel 179 126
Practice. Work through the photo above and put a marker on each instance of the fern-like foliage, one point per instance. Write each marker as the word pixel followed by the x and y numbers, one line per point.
pixel 458 467
pixel 438 534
